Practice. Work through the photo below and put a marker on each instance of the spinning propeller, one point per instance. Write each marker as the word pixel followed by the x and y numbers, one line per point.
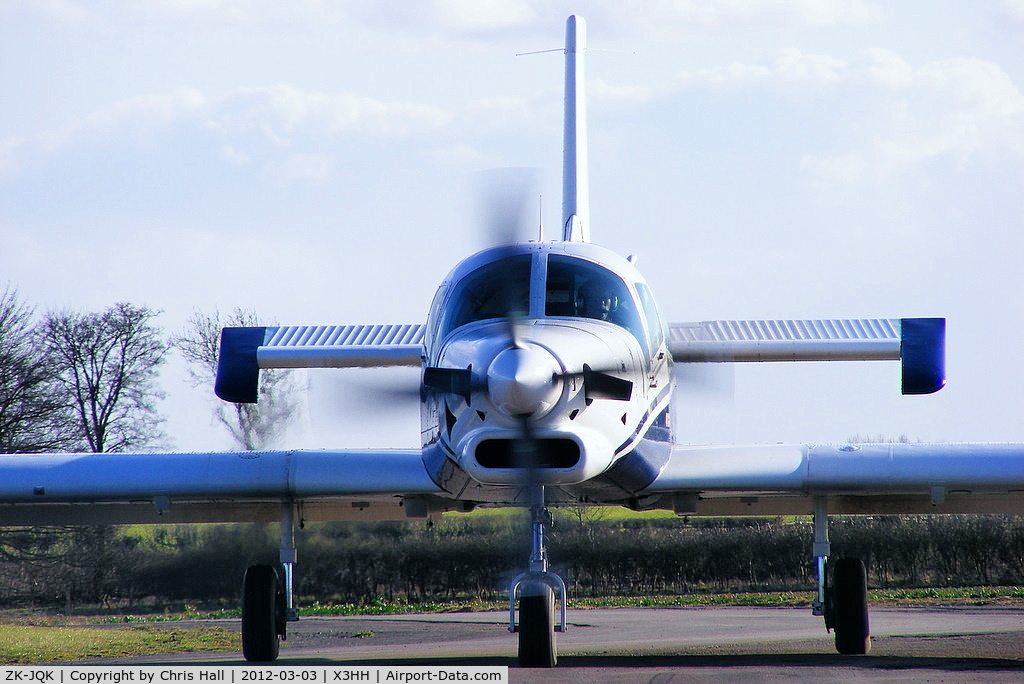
pixel 524 378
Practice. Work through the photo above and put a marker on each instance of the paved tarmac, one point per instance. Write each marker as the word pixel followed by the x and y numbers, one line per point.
pixel 666 645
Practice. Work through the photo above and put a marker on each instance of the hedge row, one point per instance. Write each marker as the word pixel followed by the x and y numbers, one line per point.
pixel 476 556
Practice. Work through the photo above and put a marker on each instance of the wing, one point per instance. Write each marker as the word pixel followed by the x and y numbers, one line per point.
pixel 918 342
pixel 880 478
pixel 243 486
pixel 244 351
pixel 870 478
pixel 236 486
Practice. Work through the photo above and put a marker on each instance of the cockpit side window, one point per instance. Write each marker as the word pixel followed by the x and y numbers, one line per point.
pixel 583 289
pixel 655 326
pixel 496 290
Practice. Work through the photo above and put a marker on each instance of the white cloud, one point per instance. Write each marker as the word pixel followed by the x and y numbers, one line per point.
pixel 137 118
pixel 841 170
pixel 975 83
pixel 1014 9
pixel 502 115
pixel 462 155
pixel 791 66
pixel 426 25
pixel 956 108
pixel 478 15
pixel 227 10
pixel 11 151
pixel 887 68
pixel 278 112
pixel 872 117
pixel 234 156
pixel 313 169
pixel 734 73
pixel 665 19
pixel 794 65
pixel 147 111
pixel 635 93
pixel 62 11
pixel 278 115
pixel 247 15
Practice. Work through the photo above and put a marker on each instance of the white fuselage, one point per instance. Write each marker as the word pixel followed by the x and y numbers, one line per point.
pixel 563 345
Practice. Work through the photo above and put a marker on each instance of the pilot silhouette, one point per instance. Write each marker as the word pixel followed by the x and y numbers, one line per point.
pixel 596 300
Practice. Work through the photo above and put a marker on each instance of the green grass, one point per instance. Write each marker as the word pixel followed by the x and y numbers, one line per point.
pixel 34 644
pixel 952 596
pixel 939 596
pixel 943 596
pixel 767 599
pixel 32 638
pixel 908 598
pixel 400 607
pixel 588 513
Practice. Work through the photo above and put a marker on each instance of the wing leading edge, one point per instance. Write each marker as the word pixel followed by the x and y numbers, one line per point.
pixel 868 478
pixel 203 486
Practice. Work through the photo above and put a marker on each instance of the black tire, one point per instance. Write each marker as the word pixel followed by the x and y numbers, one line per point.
pixel 260 642
pixel 537 626
pixel 850 587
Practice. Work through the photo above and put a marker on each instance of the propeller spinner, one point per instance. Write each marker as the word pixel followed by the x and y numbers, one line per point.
pixel 524 381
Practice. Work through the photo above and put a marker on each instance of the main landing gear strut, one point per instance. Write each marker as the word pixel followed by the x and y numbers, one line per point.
pixel 536 590
pixel 268 599
pixel 842 591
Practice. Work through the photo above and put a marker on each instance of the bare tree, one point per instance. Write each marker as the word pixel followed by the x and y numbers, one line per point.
pixel 252 426
pixel 108 364
pixel 34 413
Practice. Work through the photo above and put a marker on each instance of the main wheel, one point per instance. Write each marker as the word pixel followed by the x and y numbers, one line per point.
pixel 850 587
pixel 260 642
pixel 537 626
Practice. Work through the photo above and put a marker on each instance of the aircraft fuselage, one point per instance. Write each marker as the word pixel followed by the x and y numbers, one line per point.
pixel 561 363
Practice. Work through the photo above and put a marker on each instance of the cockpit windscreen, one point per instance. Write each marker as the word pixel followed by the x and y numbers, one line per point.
pixel 584 289
pixel 497 290
pixel 575 288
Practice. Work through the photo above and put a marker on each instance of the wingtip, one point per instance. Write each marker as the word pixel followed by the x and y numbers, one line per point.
pixel 923 351
pixel 238 370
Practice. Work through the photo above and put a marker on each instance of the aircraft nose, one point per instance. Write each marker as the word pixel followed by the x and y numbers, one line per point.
pixel 523 381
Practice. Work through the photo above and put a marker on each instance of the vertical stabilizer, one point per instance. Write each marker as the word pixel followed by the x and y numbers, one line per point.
pixel 575 182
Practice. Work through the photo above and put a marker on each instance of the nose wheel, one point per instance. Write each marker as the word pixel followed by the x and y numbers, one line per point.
pixel 537 646
pixel 536 590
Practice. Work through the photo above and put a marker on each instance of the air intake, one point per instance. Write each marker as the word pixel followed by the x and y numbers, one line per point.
pixel 558 452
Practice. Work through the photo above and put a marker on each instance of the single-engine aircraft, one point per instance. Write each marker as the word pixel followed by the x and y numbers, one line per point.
pixel 546 381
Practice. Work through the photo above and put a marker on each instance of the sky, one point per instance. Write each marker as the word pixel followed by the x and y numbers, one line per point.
pixel 318 162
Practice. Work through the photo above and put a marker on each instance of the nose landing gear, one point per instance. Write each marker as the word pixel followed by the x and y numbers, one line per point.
pixel 536 590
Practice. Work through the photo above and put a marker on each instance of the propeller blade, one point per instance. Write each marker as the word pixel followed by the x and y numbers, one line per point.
pixel 600 385
pixel 458 381
pixel 504 202
pixel 709 381
pixel 527 455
